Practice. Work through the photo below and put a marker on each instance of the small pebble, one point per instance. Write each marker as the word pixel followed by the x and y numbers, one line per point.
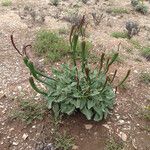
pixel 15 143
pixel 25 136
pixel 88 126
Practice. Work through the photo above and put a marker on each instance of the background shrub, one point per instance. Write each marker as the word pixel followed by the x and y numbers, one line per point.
pixel 53 46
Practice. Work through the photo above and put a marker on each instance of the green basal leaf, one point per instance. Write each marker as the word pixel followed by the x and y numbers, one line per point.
pixel 98 117
pixel 61 98
pixel 90 103
pixel 78 103
pixel 106 113
pixel 82 103
pixel 95 93
pixel 68 109
pixel 73 84
pixel 98 109
pixel 76 95
pixel 56 109
pixel 87 112
pixel 50 101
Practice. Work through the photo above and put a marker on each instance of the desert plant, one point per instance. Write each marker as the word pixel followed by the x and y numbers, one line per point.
pixel 136 44
pixel 77 87
pixel 53 46
pixel 63 31
pixel 112 144
pixel 119 35
pixel 119 59
pixel 145 77
pixel 29 111
pixel 146 112
pixel 6 2
pixel 63 141
pixel 139 6
pixel 134 2
pixel 132 28
pixel 118 11
pixel 145 51
pixel 97 18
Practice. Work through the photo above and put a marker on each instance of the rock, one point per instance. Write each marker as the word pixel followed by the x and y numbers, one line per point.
pixel 33 127
pixel 123 136
pixel 106 126
pixel 25 136
pixel 15 143
pixel 11 129
pixel 117 116
pixel 19 88
pixel 44 146
pixel 49 147
pixel 134 143
pixel 88 126
pixel 75 147
pixel 135 71
pixel 121 122
pixel 2 143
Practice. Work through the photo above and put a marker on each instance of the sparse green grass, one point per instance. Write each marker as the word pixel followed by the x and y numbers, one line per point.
pixel 124 86
pixel 119 35
pixel 135 43
pixel 6 2
pixel 146 113
pixel 120 58
pixel 63 141
pixel 63 31
pixel 112 144
pixel 29 111
pixel 53 46
pixel 145 77
pixel 145 51
pixel 118 11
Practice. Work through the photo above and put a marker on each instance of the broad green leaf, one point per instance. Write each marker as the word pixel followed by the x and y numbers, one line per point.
pixel 82 103
pixel 68 109
pixel 61 98
pixel 106 113
pixel 90 103
pixel 94 93
pixel 87 112
pixel 49 105
pixel 98 117
pixel 73 84
pixel 98 109
pixel 78 103
pixel 56 109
